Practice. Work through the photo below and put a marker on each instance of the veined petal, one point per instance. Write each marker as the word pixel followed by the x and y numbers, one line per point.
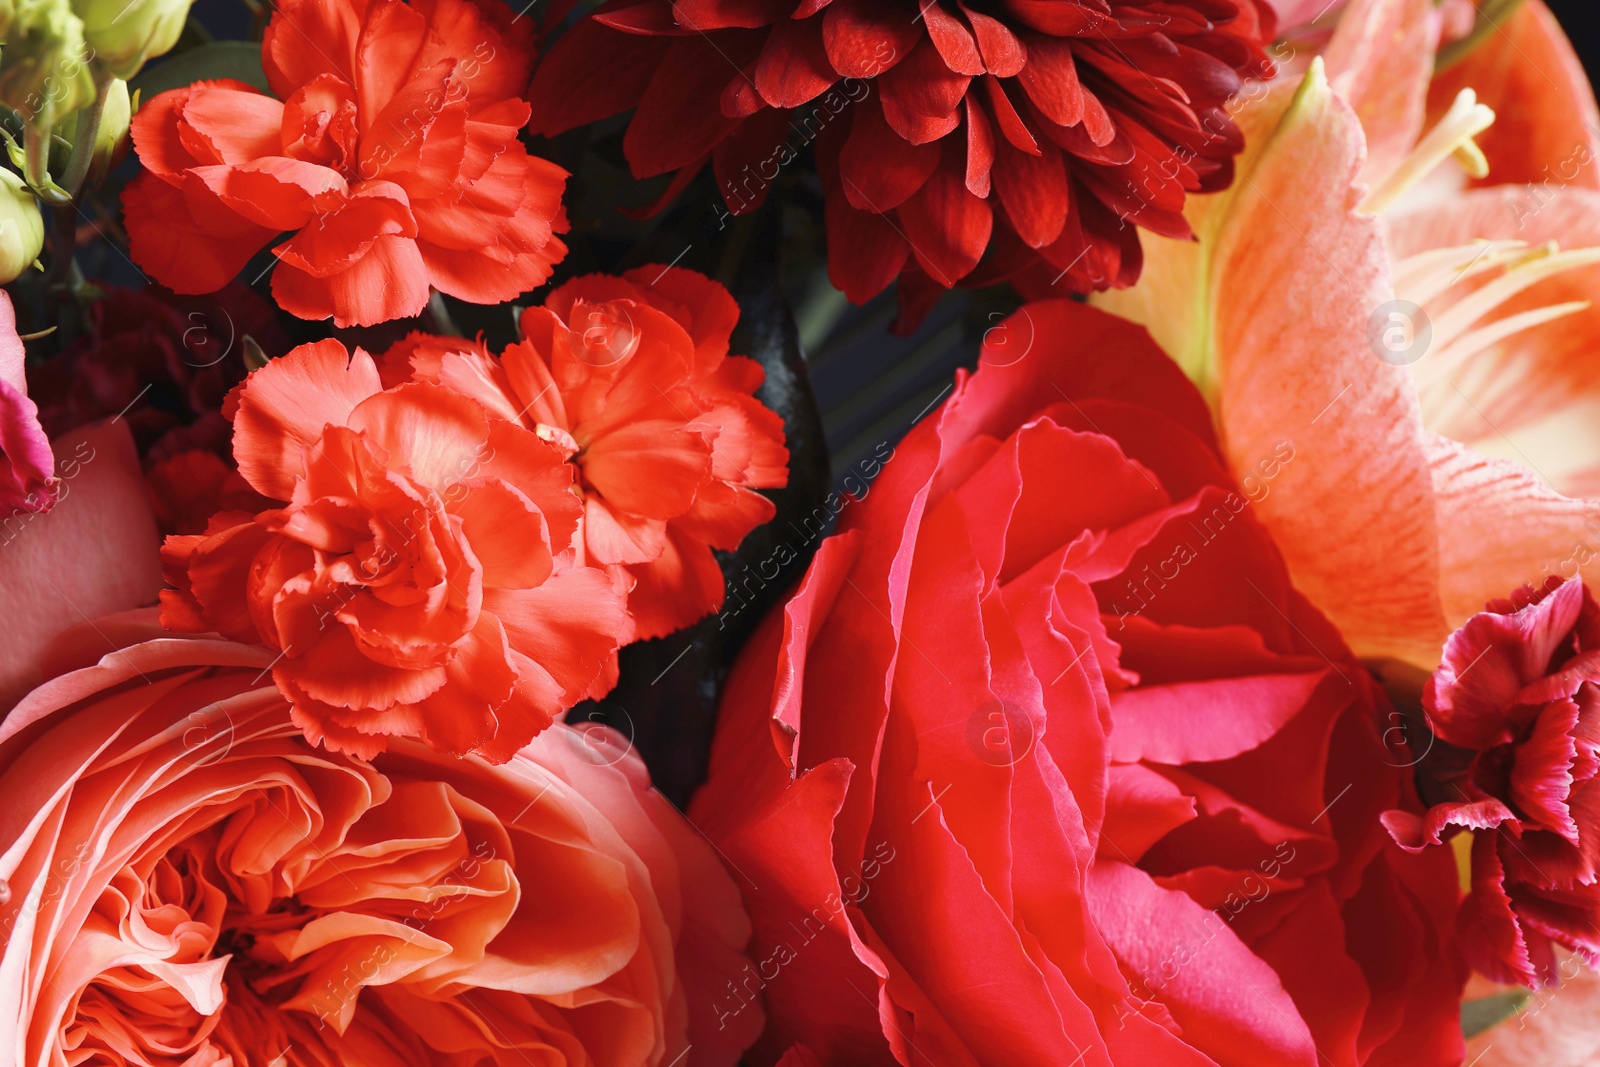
pixel 1273 324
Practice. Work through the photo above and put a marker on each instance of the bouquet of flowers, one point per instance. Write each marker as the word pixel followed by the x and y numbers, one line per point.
pixel 809 533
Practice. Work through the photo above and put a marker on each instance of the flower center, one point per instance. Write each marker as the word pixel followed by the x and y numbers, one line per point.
pixel 1463 291
pixel 1452 136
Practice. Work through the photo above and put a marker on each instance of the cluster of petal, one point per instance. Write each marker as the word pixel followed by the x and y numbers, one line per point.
pixel 1046 758
pixel 1515 705
pixel 183 879
pixel 163 364
pixel 389 148
pixel 418 577
pixel 631 378
pixel 1418 500
pixel 27 466
pixel 1043 135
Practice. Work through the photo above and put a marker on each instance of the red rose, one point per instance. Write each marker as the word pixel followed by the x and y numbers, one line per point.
pixel 1048 763
pixel 1077 117
pixel 390 151
pixel 1515 707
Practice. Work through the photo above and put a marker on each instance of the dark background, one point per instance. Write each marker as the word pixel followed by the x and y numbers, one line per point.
pixel 1581 20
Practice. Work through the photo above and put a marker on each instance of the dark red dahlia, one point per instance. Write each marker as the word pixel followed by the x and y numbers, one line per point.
pixel 1515 709
pixel 1036 131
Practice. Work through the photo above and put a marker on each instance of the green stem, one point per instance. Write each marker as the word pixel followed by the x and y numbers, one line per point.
pixel 440 314
pixel 83 141
pixel 36 164
pixel 1492 14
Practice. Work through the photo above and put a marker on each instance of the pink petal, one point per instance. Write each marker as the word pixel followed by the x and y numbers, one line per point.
pixel 27 478
pixel 1380 61
pixel 99 552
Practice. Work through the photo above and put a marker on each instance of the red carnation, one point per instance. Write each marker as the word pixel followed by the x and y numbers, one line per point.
pixel 632 379
pixel 1516 710
pixel 1079 116
pixel 416 578
pixel 393 158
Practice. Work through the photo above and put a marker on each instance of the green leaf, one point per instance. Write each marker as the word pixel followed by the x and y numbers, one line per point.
pixel 1479 1015
pixel 239 60
pixel 1492 14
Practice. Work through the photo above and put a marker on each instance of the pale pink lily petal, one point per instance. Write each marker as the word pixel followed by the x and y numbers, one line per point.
pixel 1276 334
pixel 27 480
pixel 1380 61
pixel 1534 397
pixel 96 553
pixel 1559 1027
pixel 1501 526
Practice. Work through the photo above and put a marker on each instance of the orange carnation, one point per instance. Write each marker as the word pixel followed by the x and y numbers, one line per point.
pixel 184 880
pixel 420 579
pixel 391 152
pixel 631 377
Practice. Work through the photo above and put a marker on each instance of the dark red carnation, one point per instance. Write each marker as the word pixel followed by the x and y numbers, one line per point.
pixel 163 363
pixel 1515 706
pixel 1033 131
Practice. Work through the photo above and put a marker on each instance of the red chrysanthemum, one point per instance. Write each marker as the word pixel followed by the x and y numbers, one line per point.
pixel 391 153
pixel 1076 118
pixel 1515 705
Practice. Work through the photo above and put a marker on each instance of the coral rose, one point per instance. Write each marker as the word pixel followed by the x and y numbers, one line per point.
pixel 631 377
pixel 1030 132
pixel 418 579
pixel 188 881
pixel 391 151
pixel 1049 763
pixel 1515 709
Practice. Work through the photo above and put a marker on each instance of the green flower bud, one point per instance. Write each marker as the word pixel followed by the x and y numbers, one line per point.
pixel 45 66
pixel 21 227
pixel 125 33
pixel 110 142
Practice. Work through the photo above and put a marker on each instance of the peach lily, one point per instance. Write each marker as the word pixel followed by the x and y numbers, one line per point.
pixel 1437 474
